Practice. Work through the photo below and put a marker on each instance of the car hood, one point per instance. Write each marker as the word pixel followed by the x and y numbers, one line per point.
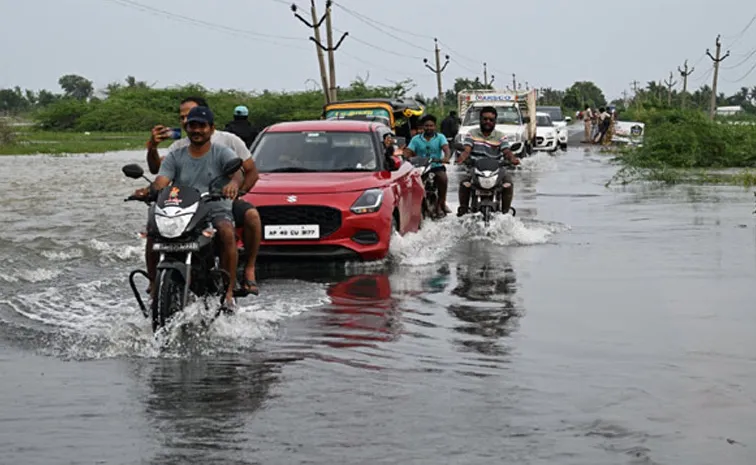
pixel 317 183
pixel 545 132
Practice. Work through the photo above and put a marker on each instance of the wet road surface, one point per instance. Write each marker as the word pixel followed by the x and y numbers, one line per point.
pixel 601 326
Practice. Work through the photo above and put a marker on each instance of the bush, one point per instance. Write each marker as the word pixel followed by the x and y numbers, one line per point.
pixel 7 135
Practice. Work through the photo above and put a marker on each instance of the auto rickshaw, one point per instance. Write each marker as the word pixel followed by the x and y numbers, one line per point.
pixel 396 113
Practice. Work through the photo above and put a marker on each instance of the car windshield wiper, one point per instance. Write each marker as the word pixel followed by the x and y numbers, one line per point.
pixel 291 169
pixel 347 170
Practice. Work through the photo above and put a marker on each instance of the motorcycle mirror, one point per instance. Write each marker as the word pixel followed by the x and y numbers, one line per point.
pixel 516 147
pixel 232 167
pixel 133 171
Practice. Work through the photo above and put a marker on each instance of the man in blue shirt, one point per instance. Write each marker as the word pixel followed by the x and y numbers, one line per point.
pixel 432 144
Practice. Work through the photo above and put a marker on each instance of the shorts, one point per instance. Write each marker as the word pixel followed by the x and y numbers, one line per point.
pixel 467 177
pixel 219 213
pixel 239 209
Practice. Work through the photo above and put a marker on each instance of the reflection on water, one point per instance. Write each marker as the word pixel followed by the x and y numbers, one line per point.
pixel 487 312
pixel 199 407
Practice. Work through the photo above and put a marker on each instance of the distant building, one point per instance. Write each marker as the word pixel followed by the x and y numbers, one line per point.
pixel 729 111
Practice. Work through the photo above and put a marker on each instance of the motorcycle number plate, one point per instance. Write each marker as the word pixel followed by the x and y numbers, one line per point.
pixel 178 247
pixel 292 232
pixel 483 193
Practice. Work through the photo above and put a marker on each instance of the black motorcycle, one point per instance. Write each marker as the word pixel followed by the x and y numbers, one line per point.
pixel 487 184
pixel 430 207
pixel 188 266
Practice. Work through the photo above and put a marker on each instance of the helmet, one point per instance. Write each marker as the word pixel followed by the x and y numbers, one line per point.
pixel 241 110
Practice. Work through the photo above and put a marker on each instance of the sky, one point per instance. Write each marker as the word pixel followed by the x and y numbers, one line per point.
pixel 258 44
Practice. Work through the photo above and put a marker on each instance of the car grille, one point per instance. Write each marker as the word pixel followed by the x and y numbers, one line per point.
pixel 539 140
pixel 329 219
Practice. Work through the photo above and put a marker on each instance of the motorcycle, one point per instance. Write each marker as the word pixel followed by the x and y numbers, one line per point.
pixel 430 200
pixel 188 267
pixel 487 184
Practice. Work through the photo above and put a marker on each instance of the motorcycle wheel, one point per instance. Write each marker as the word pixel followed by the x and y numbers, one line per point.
pixel 170 298
pixel 486 210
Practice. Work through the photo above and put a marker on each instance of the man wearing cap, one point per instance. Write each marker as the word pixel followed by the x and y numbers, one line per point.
pixel 245 214
pixel 196 165
pixel 241 126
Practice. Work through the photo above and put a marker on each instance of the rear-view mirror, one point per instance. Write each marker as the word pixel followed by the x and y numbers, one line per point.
pixel 133 171
pixel 400 141
pixel 232 166
pixel 515 147
pixel 395 163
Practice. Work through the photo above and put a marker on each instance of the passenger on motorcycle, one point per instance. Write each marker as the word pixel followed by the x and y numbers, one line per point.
pixel 486 141
pixel 433 144
pixel 245 214
pixel 196 165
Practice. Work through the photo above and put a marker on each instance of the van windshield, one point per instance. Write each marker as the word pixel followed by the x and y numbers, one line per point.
pixel 505 115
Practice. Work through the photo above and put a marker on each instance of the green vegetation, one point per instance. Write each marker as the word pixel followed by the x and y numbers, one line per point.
pixel 29 141
pixel 685 146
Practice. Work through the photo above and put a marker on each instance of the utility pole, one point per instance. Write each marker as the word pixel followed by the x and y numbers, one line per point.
pixel 331 49
pixel 685 75
pixel 514 82
pixel 670 84
pixel 315 25
pixel 717 60
pixel 486 82
pixel 527 86
pixel 437 71
pixel 634 84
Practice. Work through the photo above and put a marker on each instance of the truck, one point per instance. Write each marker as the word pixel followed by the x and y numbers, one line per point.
pixel 516 114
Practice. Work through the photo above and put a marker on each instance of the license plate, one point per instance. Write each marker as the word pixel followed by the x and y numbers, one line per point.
pixel 178 247
pixel 483 193
pixel 292 231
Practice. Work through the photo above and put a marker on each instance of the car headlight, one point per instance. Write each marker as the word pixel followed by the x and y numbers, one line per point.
pixel 173 226
pixel 488 182
pixel 369 202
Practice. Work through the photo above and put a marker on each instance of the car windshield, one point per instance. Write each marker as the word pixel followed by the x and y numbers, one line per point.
pixel 554 112
pixel 315 151
pixel 543 121
pixel 505 115
pixel 379 115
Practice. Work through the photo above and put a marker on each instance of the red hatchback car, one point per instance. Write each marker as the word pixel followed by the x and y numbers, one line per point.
pixel 326 190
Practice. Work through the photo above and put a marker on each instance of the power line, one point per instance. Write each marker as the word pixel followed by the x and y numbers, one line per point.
pixel 753 52
pixel 744 76
pixel 172 15
pixel 740 35
pixel 367 19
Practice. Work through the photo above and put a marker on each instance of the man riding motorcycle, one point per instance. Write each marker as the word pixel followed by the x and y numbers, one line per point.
pixel 434 145
pixel 244 213
pixel 196 165
pixel 489 142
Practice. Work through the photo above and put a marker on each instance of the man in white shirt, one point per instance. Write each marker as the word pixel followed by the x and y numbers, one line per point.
pixel 244 213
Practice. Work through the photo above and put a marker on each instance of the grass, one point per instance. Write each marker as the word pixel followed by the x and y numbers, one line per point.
pixel 28 141
pixel 685 147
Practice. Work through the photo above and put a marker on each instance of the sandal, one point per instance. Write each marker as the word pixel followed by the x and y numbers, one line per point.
pixel 249 286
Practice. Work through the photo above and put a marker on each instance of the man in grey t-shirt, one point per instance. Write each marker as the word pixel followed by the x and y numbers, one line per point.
pixel 196 166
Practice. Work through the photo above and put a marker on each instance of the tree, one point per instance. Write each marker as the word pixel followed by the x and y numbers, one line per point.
pixel 583 93
pixel 75 86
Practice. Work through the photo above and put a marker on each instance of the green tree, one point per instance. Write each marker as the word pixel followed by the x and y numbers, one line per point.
pixel 75 86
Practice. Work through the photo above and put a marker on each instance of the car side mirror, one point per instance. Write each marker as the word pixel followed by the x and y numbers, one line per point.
pixel 395 163
pixel 232 166
pixel 133 171
pixel 568 119
pixel 516 147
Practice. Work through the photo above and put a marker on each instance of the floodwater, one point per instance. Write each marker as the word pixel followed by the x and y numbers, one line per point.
pixel 601 326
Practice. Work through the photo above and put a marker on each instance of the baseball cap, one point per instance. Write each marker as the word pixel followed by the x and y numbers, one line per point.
pixel 200 115
pixel 241 110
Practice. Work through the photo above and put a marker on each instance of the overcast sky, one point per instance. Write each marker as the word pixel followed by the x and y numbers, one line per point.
pixel 258 44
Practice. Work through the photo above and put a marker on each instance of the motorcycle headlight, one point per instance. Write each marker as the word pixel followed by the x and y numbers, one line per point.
pixel 369 202
pixel 487 182
pixel 173 226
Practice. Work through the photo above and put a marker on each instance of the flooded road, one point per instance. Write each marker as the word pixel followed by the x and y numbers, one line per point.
pixel 601 326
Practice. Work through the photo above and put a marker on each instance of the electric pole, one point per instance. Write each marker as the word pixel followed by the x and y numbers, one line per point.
pixel 685 75
pixel 437 71
pixel 331 49
pixel 514 82
pixel 485 76
pixel 670 84
pixel 315 25
pixel 717 60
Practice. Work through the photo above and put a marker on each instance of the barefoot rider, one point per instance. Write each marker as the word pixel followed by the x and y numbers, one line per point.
pixel 486 141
